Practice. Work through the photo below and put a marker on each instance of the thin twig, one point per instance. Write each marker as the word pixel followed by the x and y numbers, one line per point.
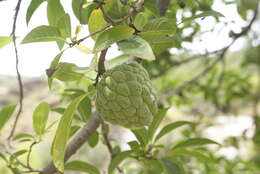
pixel 90 35
pixel 30 170
pixel 93 124
pixel 106 16
pixel 17 160
pixel 19 78
pixel 186 84
pixel 106 139
pixel 135 8
pixel 105 132
pixel 179 63
pixel 221 56
pixel 29 154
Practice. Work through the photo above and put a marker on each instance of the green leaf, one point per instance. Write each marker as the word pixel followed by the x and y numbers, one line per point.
pixel 3 157
pixel 40 117
pixel 159 40
pixel 171 167
pixel 53 66
pixel 136 46
pixel 59 110
pixel 115 9
pixel 22 136
pixel 5 114
pixel 5 40
pixel 116 61
pixel 204 14
pixel 191 3
pixel 200 156
pixel 151 6
pixel 168 128
pixel 194 142
pixel 17 154
pixel 117 160
pixel 141 135
pixel 111 36
pixel 32 8
pixel 161 24
pixel 55 61
pixel 64 72
pixel 157 33
pixel 156 122
pixel 73 130
pixel 51 125
pixel 96 22
pixel 43 33
pixel 134 146
pixel 20 152
pixel 160 33
pixel 62 134
pixel 93 139
pixel 64 26
pixel 242 10
pixel 158 37
pixel 153 166
pixel 85 109
pixel 82 10
pixel 140 21
pixel 54 12
pixel 211 13
pixel 81 166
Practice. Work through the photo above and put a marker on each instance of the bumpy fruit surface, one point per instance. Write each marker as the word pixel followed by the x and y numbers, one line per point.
pixel 126 97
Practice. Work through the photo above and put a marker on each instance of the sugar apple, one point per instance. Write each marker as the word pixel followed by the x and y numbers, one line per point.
pixel 126 97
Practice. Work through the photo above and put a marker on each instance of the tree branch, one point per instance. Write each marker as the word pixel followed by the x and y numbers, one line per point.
pixel 94 123
pixel 101 64
pixel 221 56
pixel 79 139
pixel 179 63
pixel 135 8
pixel 19 78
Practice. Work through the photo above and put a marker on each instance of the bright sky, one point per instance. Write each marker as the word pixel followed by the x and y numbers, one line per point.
pixel 35 58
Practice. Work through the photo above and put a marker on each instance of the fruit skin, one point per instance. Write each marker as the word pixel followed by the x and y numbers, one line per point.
pixel 125 96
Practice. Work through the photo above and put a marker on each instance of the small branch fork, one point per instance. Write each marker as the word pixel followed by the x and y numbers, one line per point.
pixel 221 55
pixel 19 78
pixel 95 120
pixel 134 9
pixel 27 167
pixel 78 140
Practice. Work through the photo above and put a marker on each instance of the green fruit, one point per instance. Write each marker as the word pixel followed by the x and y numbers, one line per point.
pixel 125 96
